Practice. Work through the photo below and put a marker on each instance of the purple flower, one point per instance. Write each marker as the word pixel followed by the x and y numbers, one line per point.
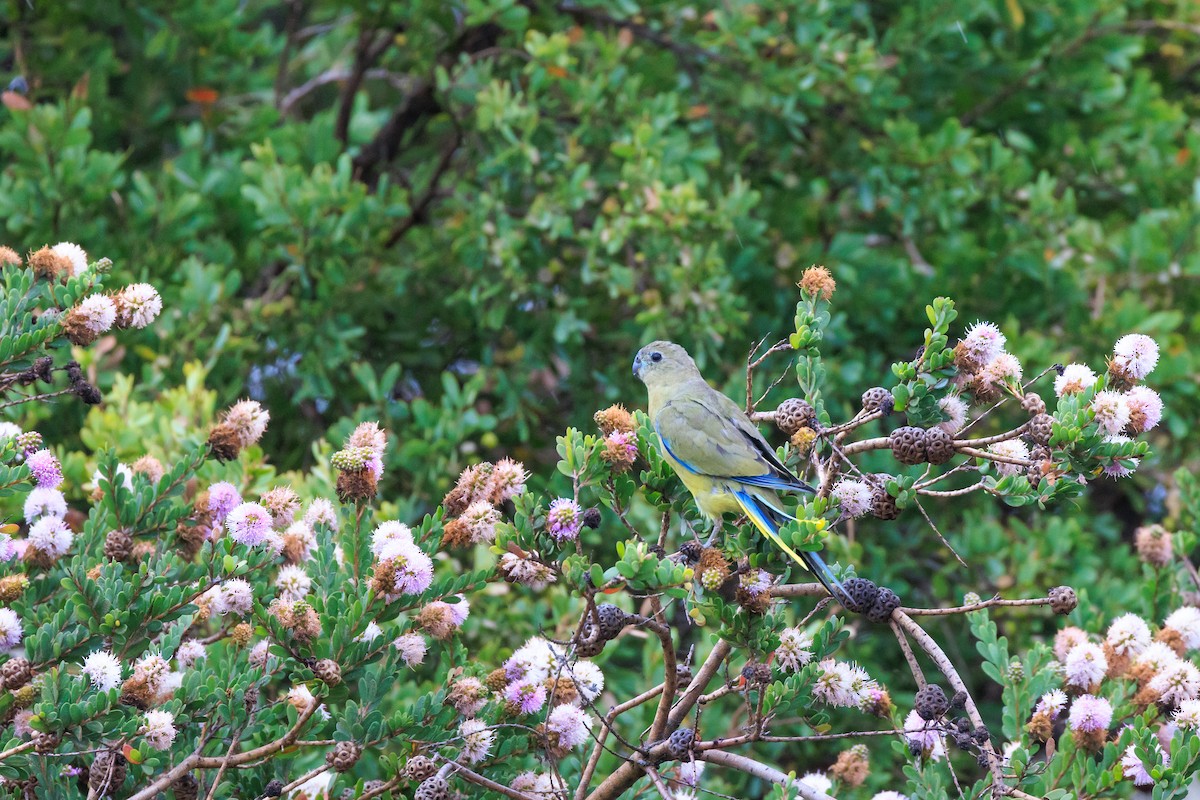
pixel 47 473
pixel 223 497
pixel 564 520
pixel 1090 713
pixel 414 569
pixel 249 524
pixel 571 724
pixel 527 696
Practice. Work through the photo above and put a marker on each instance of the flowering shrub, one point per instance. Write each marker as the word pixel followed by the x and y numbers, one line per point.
pixel 194 623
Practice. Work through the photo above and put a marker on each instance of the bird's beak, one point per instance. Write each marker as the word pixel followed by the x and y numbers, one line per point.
pixel 637 366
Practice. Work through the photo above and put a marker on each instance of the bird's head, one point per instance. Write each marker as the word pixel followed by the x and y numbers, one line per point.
pixel 660 363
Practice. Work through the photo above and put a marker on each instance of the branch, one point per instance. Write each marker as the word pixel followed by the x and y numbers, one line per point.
pixel 935 652
pixel 761 771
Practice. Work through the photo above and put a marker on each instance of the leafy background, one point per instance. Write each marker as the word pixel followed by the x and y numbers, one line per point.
pixel 463 218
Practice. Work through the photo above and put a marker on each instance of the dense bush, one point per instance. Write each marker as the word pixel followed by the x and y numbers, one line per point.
pixel 462 219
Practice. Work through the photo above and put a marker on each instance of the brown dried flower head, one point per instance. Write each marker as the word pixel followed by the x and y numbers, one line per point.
pixel 818 281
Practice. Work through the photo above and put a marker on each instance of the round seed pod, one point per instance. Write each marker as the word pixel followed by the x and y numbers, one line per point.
pixel 186 787
pixel 861 593
pixel 107 773
pixel 591 518
pixel 274 788
pixel 878 399
pixel 1033 404
pixel 432 788
pixel 418 768
pixel 46 742
pixel 883 505
pixel 908 444
pixel 794 414
pixel 1041 428
pixel 328 671
pixel 15 673
pixel 612 620
pixel 118 545
pixel 886 601
pixel 343 756
pixel 931 702
pixel 1063 600
pixel 959 701
pixel 939 445
pixel 679 743
pixel 590 644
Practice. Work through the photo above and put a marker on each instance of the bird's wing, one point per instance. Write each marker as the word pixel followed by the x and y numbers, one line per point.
pixel 708 437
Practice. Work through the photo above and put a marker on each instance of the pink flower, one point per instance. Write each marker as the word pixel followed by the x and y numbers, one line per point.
pixel 564 519
pixel 1085 665
pixel 983 341
pixel 1010 448
pixel 223 497
pixel 159 730
pixel 507 480
pixel 481 518
pixel 10 629
pixel 1145 408
pixel 570 723
pixel 44 502
pixel 387 533
pixel 459 611
pixel 924 736
pixel 1075 378
pixel 1135 770
pixel 1117 469
pixel 249 524
pixel 854 497
pixel 137 305
pixel 1136 355
pixel 414 569
pixel 1052 703
pixel 1090 713
pixel 1128 635
pixel 527 696
pixel 478 739
pixel 1111 410
pixel 412 648
pixel 50 535
pixel 47 473
pixel 794 651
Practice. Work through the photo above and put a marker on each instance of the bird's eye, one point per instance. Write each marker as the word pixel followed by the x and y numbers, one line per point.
pixel 656 357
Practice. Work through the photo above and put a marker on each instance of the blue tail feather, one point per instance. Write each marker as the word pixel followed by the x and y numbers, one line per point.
pixel 764 519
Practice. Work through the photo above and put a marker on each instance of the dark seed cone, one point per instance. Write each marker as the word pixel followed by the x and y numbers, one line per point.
pixel 679 743
pixel 860 594
pixel 886 601
pixel 931 702
pixel 432 788
pixel 794 414
pixel 908 444
pixel 1041 428
pixel 1063 600
pixel 328 671
pixel 46 742
pixel 1033 404
pixel 691 551
pixel 107 773
pixel 878 399
pixel 418 768
pixel 343 756
pixel 15 673
pixel 118 545
pixel 612 620
pixel 883 505
pixel 939 446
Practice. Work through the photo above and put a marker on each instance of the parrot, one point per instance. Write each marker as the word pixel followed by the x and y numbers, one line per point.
pixel 718 452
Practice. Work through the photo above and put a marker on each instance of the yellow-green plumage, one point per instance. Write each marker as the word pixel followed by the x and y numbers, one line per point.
pixel 715 449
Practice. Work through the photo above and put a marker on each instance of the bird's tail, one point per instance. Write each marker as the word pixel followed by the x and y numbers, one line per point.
pixel 768 520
